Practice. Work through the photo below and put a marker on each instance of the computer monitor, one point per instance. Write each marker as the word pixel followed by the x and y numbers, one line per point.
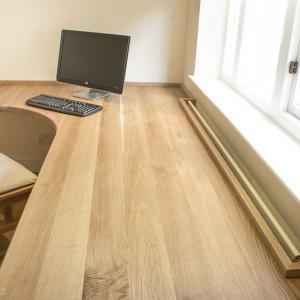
pixel 94 60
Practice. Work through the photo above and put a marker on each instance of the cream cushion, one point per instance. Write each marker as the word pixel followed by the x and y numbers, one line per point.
pixel 13 175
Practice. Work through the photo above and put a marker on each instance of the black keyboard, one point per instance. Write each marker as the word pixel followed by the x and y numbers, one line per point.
pixel 63 105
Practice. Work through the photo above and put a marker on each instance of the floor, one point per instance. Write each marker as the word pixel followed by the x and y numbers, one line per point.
pixel 165 224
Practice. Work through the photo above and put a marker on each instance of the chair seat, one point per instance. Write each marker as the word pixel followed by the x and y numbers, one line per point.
pixel 13 175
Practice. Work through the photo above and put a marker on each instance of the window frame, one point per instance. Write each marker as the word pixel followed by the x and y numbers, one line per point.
pixel 296 56
pixel 279 109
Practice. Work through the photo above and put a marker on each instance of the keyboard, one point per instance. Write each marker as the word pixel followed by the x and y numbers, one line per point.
pixel 64 105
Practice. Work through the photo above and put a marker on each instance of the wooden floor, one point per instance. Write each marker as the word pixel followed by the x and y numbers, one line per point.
pixel 165 224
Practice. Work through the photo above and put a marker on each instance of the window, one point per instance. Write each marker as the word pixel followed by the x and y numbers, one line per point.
pixel 260 40
pixel 253 39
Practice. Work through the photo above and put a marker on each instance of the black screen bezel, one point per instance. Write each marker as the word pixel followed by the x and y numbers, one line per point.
pixel 94 85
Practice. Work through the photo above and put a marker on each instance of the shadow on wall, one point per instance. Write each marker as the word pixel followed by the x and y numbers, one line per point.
pixel 26 138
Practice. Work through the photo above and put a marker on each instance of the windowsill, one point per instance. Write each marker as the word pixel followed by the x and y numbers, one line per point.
pixel 276 147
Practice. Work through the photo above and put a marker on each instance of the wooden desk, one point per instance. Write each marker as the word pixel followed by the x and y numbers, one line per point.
pixel 46 258
pixel 135 210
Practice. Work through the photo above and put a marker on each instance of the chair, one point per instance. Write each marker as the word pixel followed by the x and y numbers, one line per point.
pixel 16 183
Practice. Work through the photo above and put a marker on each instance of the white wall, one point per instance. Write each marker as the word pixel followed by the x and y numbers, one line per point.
pixel 191 38
pixel 30 34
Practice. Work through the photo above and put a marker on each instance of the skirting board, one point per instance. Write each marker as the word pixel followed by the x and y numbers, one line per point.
pixel 29 82
pixel 290 268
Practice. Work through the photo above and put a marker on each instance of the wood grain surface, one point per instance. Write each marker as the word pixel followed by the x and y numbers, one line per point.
pixel 149 216
pixel 165 224
pixel 46 258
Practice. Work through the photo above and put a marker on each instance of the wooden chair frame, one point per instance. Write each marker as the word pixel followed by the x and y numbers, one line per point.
pixel 6 201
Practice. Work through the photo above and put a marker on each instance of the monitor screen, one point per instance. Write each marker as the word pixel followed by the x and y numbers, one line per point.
pixel 95 60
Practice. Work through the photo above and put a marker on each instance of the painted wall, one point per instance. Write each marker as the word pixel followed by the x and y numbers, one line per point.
pixel 191 38
pixel 30 34
pixel 282 198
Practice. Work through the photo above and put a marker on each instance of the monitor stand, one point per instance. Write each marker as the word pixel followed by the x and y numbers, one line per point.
pixel 91 94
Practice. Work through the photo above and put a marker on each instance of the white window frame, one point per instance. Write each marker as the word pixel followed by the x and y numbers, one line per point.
pixel 296 57
pixel 280 109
